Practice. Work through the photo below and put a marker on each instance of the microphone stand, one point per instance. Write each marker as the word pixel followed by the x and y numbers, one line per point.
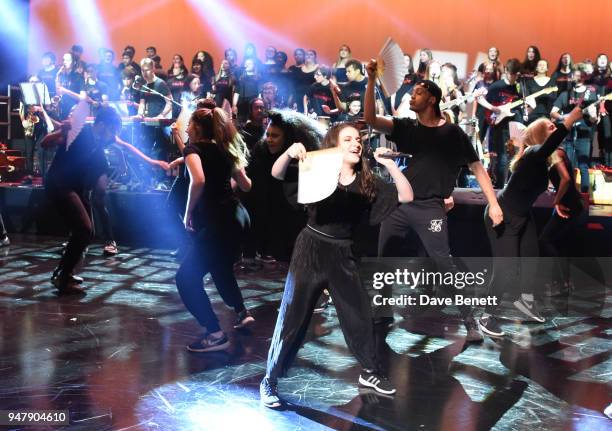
pixel 152 91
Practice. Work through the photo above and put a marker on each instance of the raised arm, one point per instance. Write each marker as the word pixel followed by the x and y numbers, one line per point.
pixel 378 122
pixel 404 189
pixel 295 151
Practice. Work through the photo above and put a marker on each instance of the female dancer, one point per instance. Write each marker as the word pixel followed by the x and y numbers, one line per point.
pixel 516 236
pixel 215 155
pixel 322 258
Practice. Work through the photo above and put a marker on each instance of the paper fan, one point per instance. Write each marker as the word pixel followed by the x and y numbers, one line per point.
pixel 318 175
pixel 517 131
pixel 391 67
pixel 78 117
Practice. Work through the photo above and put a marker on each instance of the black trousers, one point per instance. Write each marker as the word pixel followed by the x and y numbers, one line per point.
pixel 498 136
pixel 427 220
pixel 514 245
pixel 3 232
pixel 73 205
pixel 318 263
pixel 100 208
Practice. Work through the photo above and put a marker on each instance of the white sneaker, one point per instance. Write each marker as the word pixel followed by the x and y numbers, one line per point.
pixel 529 310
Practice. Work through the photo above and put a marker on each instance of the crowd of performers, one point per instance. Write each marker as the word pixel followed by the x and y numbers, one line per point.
pixel 237 198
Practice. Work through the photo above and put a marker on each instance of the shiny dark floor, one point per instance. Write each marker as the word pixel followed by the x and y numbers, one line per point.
pixel 116 358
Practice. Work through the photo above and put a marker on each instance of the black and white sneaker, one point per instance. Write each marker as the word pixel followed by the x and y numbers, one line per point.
pixel 268 394
pixel 490 326
pixel 244 320
pixel 473 334
pixel 323 302
pixel 209 343
pixel 529 309
pixel 377 382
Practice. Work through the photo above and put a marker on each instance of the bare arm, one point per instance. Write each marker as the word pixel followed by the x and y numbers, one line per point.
pixel 305 105
pixel 196 187
pixel 404 189
pixel 378 122
pixel 296 151
pixel 495 213
pixel 242 180
pixel 340 105
pixel 140 154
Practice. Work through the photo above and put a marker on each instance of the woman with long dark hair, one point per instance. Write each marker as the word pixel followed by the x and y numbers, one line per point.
pixel 532 56
pixel 323 258
pixel 516 236
pixel 562 76
pixel 215 155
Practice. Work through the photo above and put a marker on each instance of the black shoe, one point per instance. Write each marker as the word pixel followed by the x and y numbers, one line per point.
pixel 268 394
pixel 55 279
pixel 67 285
pixel 5 241
pixel 473 334
pixel 209 343
pixel 244 320
pixel 529 309
pixel 490 326
pixel 377 382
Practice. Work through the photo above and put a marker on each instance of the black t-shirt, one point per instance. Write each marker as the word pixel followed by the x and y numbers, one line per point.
pixel 96 91
pixel 530 176
pixel 74 82
pixel 133 65
pixel 569 99
pixel 48 77
pixel 218 202
pixel 340 74
pixel 338 214
pixel 248 87
pixel 252 133
pixel 111 76
pixel 223 88
pixel 437 155
pixel 561 80
pixel 571 199
pixel 128 94
pixel 501 93
pixel 154 104
pixel 319 95
pixel 354 89
pixel 80 165
pixel 301 82
pixel 177 84
pixel 544 102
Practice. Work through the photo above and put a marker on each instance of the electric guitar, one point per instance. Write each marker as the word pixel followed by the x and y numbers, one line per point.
pixel 506 110
pixel 465 98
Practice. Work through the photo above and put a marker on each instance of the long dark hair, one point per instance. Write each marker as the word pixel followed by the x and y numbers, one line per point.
pixel 560 63
pixel 530 65
pixel 367 183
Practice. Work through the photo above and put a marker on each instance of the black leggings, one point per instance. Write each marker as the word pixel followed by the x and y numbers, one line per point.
pixel 100 208
pixel 74 207
pixel 319 263
pixel 3 232
pixel 213 250
pixel 514 245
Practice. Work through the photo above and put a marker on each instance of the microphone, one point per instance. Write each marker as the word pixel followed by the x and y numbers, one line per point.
pixel 138 84
pixel 394 155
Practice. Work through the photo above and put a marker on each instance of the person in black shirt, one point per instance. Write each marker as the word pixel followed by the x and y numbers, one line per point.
pixel 563 72
pixel 110 75
pixel 127 60
pixel 223 84
pixel 254 129
pixel 96 90
pixel 355 87
pixel 544 102
pixel 319 94
pixel 322 257
pixel 214 156
pixel 177 82
pixel 516 237
pixel 128 94
pixel 247 89
pixel 500 93
pixel 439 150
pixel 578 143
pixel 68 181
pixel 68 77
pixel 48 73
pixel 532 57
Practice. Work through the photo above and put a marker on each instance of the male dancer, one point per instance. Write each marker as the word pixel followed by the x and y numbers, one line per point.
pixel 74 165
pixel 439 149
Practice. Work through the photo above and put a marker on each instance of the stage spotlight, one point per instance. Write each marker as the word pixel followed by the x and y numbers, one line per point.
pixel 88 24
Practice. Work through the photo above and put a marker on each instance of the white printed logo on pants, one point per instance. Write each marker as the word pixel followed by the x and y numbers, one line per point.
pixel 435 225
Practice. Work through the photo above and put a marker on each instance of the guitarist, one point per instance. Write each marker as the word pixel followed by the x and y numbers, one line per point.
pixel 501 92
pixel 578 141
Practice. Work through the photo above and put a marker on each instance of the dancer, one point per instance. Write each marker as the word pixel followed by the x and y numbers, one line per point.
pixel 322 257
pixel 516 236
pixel 67 187
pixel 439 150
pixel 214 156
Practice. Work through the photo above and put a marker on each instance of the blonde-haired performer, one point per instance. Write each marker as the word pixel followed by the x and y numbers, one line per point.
pixel 215 156
pixel 516 236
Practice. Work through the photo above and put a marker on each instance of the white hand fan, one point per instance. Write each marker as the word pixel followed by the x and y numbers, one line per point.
pixel 517 131
pixel 318 175
pixel 78 117
pixel 391 67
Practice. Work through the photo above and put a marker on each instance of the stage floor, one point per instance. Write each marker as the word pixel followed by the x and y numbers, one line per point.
pixel 116 358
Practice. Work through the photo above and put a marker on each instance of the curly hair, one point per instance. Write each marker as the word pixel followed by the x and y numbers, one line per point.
pixel 297 127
